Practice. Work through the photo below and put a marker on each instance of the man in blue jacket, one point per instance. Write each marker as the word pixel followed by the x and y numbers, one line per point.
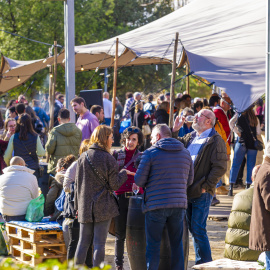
pixel 165 172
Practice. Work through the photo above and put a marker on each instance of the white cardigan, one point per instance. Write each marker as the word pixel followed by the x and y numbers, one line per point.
pixel 18 186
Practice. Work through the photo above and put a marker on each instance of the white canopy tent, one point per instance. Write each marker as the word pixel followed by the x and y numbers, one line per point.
pixel 225 42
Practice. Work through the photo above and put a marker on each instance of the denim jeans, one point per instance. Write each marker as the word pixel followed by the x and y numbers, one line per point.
pixel 267 259
pixel 239 153
pixel 197 213
pixel 74 235
pixel 155 222
pixel 100 231
pixel 120 230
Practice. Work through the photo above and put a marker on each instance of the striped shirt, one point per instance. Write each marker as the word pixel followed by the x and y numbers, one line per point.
pixel 195 146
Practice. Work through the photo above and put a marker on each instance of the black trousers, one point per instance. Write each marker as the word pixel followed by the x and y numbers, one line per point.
pixel 120 230
pixel 74 235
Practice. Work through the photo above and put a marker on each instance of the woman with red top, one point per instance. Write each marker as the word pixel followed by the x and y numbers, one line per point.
pixel 126 158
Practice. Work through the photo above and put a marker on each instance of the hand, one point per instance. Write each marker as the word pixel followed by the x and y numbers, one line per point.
pixel 178 123
pixel 203 190
pixel 130 173
pixel 9 133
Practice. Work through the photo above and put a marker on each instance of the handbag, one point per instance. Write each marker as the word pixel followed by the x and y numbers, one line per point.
pixel 258 145
pixel 102 180
pixel 146 130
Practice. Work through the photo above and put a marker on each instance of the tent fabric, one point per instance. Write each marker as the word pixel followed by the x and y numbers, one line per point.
pixel 225 42
pixel 12 70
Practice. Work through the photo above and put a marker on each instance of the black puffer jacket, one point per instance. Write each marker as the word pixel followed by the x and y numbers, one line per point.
pixel 162 117
pixel 165 171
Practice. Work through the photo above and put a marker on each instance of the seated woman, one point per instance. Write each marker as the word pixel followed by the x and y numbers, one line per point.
pixel 56 187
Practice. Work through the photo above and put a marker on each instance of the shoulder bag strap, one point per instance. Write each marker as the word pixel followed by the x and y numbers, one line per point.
pixel 132 160
pixel 99 177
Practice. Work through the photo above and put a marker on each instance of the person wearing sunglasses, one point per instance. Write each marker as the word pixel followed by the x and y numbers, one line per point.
pixel 127 158
pixel 209 156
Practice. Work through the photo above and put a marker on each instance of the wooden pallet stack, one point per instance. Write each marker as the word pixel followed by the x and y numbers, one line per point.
pixel 34 247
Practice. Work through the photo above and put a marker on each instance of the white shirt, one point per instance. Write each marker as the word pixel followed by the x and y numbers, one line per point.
pixel 18 186
pixel 107 107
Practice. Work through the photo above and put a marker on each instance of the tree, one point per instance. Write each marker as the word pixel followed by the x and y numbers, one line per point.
pixel 95 20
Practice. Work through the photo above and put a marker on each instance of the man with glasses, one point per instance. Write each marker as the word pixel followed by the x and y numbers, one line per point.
pixel 209 156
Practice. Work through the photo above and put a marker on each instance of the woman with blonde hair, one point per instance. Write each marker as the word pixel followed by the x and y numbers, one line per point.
pixel 96 178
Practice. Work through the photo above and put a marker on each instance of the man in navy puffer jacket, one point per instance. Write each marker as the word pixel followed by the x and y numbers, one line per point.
pixel 165 172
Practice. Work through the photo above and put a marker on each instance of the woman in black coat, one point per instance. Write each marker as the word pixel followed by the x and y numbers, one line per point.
pixel 162 116
pixel 138 116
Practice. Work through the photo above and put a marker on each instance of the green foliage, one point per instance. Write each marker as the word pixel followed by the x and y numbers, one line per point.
pixel 52 264
pixel 95 20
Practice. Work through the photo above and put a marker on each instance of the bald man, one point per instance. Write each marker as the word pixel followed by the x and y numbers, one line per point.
pixel 107 107
pixel 209 156
pixel 18 186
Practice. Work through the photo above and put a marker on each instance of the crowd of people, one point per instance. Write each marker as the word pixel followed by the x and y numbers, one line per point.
pixel 176 171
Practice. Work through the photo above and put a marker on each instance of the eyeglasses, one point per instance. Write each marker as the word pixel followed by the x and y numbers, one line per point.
pixel 135 130
pixel 199 114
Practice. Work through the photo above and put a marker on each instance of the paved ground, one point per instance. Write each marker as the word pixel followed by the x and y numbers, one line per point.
pixel 216 232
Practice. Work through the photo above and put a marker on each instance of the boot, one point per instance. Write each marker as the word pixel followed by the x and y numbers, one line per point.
pixel 230 193
pixel 247 186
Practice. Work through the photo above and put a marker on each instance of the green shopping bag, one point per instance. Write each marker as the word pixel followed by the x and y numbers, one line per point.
pixel 4 245
pixel 35 209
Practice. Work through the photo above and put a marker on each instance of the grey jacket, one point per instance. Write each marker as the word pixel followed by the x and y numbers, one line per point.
pixel 165 171
pixel 92 200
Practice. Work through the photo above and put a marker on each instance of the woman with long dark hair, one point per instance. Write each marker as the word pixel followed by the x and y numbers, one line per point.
pixel 36 123
pixel 247 129
pixel 96 177
pixel 26 144
pixel 132 138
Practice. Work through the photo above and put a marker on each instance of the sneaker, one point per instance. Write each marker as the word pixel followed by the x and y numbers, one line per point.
pixel 222 190
pixel 215 201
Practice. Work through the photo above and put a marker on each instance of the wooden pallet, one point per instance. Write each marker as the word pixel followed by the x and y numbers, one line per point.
pixel 33 247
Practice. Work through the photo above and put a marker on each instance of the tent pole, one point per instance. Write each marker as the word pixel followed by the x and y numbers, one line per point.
pixel 53 83
pixel 267 92
pixel 69 55
pixel 173 80
pixel 114 81
pixel 51 100
pixel 187 79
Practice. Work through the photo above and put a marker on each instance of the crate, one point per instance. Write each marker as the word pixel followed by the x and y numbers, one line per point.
pixel 33 247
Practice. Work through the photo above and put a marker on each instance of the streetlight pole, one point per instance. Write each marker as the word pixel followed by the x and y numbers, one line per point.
pixel 69 54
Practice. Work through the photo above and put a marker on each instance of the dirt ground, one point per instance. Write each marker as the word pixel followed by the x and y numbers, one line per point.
pixel 216 233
